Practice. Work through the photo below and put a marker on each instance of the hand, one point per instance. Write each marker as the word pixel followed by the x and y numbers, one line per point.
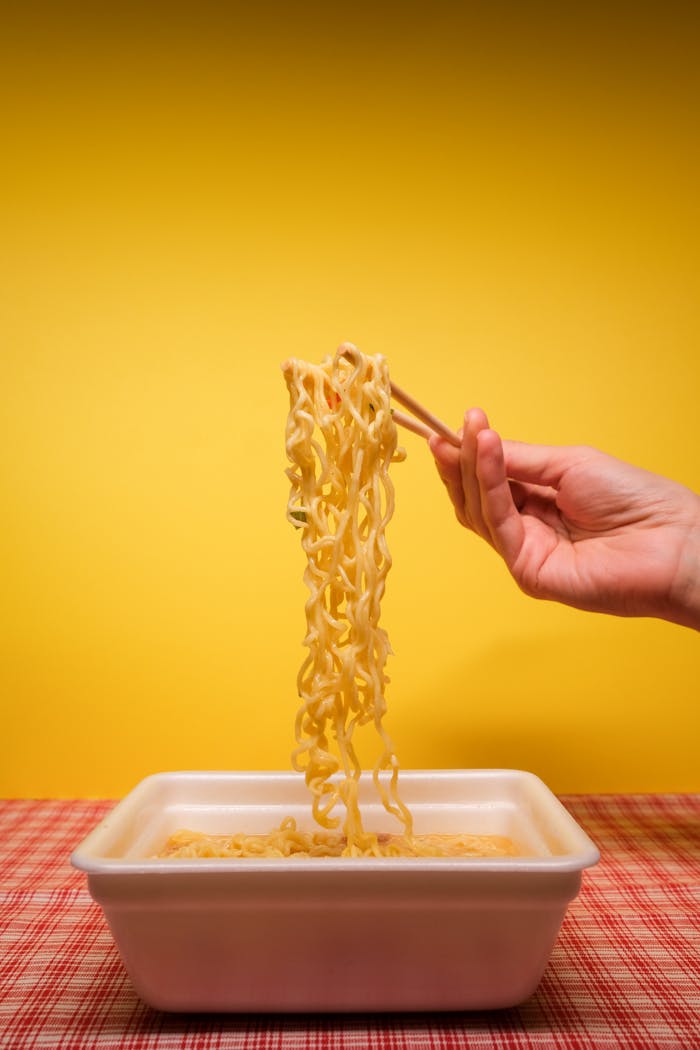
pixel 577 526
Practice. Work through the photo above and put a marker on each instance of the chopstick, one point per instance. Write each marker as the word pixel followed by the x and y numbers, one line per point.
pixel 429 425
pixel 409 423
pixel 426 423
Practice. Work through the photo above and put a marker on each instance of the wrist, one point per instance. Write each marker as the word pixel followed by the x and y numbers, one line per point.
pixel 686 597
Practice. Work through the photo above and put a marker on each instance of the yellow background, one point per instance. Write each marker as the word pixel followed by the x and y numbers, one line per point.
pixel 503 201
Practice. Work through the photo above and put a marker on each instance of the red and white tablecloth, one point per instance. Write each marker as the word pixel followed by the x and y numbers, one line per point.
pixel 625 972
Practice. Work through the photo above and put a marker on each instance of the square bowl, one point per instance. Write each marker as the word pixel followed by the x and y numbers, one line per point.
pixel 335 934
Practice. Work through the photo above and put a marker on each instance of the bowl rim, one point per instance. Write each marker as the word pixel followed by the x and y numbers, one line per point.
pixel 86 856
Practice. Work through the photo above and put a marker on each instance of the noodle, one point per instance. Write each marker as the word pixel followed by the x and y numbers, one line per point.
pixel 287 841
pixel 341 440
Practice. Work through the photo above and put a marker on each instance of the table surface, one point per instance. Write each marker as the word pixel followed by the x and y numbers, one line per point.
pixel 625 972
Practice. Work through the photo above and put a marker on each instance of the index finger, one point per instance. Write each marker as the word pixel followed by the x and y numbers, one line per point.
pixel 500 513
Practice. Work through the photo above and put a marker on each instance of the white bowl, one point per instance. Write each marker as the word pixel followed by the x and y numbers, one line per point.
pixel 332 934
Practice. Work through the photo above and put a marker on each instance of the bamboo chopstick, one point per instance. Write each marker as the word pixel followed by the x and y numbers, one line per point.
pixel 409 423
pixel 432 425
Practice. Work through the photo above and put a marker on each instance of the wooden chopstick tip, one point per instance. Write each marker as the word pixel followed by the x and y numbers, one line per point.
pixel 348 350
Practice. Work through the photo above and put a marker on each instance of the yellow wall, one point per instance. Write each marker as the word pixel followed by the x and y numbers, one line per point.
pixel 504 205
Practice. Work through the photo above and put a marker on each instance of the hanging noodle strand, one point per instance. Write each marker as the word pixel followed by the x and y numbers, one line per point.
pixel 341 440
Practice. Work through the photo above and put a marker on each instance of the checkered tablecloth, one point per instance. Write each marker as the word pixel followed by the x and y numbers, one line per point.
pixel 625 972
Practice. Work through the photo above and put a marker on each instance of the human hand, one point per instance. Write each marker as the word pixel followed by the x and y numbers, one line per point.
pixel 578 526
